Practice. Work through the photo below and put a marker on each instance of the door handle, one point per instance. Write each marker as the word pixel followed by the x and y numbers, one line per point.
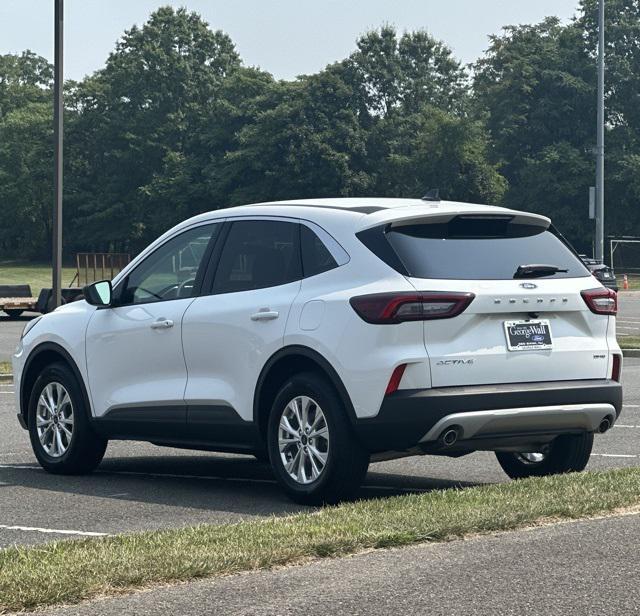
pixel 264 314
pixel 162 324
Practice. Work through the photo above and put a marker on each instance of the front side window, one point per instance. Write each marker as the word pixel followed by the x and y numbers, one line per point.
pixel 170 271
pixel 258 254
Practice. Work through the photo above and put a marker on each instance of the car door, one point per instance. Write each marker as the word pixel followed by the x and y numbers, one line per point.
pixel 135 362
pixel 229 334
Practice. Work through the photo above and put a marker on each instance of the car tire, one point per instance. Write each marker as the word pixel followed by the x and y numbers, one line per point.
pixel 61 434
pixel 326 434
pixel 566 454
pixel 13 313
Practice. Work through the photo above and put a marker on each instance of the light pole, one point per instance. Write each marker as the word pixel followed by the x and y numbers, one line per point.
pixel 58 121
pixel 599 243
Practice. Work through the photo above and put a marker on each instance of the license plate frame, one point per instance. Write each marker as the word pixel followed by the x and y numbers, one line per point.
pixel 532 340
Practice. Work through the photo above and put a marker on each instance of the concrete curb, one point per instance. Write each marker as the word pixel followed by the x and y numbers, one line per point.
pixel 631 352
pixel 6 378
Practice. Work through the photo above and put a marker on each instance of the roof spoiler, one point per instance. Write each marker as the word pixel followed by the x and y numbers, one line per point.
pixel 405 217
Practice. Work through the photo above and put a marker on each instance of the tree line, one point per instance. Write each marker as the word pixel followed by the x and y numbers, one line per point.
pixel 175 124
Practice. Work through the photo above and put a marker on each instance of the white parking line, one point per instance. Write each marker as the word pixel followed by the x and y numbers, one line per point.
pixel 20 467
pixel 614 455
pixel 53 531
pixel 631 406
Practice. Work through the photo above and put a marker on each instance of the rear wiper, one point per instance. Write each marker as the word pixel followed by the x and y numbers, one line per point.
pixel 537 270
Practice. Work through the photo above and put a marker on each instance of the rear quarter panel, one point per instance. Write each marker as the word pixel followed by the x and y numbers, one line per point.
pixel 363 355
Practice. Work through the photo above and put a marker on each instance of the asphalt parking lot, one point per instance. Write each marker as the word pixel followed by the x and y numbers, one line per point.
pixel 628 322
pixel 140 486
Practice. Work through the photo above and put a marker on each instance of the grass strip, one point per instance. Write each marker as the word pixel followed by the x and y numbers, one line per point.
pixel 629 342
pixel 36 275
pixel 70 571
pixel 5 367
pixel 634 282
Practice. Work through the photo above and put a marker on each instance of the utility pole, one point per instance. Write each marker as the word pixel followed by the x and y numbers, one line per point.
pixel 599 243
pixel 58 122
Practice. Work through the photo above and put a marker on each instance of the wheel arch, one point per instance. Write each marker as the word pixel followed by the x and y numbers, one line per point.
pixel 280 366
pixel 41 356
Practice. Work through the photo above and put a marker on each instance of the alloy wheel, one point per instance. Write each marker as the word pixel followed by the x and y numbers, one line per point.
pixel 54 420
pixel 303 440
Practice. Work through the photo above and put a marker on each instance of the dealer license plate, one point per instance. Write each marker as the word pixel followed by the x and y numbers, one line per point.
pixel 528 335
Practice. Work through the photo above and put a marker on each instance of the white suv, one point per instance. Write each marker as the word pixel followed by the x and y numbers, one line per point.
pixel 324 333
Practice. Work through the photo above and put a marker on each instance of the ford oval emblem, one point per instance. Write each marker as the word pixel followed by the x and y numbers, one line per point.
pixel 529 285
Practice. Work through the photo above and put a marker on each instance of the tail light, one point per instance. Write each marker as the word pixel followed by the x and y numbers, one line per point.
pixel 394 381
pixel 616 368
pixel 388 308
pixel 601 301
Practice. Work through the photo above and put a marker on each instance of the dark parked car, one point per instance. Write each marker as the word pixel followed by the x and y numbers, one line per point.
pixel 602 272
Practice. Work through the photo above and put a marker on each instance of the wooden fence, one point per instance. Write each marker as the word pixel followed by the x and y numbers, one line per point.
pixel 93 266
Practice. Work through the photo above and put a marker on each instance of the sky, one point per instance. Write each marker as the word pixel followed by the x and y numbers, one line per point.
pixel 285 37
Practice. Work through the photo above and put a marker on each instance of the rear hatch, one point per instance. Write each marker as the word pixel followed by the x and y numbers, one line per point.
pixel 526 323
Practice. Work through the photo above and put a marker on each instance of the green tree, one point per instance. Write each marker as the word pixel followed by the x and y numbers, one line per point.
pixel 433 149
pixel 535 90
pixel 404 73
pixel 622 108
pixel 26 181
pixel 136 124
pixel 309 143
pixel 25 78
pixel 26 154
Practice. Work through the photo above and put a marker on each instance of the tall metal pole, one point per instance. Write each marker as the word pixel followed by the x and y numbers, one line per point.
pixel 599 243
pixel 58 117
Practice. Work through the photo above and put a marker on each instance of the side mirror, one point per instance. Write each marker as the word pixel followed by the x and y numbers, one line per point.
pixel 99 293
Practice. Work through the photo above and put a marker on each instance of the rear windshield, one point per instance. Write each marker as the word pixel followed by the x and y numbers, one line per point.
pixel 473 249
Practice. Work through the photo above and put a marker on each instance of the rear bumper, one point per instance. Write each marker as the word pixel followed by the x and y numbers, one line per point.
pixel 486 414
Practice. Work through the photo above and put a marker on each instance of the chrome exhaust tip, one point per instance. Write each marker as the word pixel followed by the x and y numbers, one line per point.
pixel 449 437
pixel 605 424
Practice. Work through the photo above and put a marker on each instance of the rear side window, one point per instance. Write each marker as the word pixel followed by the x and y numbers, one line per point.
pixel 472 249
pixel 258 254
pixel 316 257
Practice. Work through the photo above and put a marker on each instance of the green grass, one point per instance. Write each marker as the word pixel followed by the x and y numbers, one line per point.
pixel 35 275
pixel 629 342
pixel 5 367
pixel 634 283
pixel 70 571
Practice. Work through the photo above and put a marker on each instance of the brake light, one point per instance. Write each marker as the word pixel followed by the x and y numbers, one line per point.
pixel 388 308
pixel 601 301
pixel 616 368
pixel 394 381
